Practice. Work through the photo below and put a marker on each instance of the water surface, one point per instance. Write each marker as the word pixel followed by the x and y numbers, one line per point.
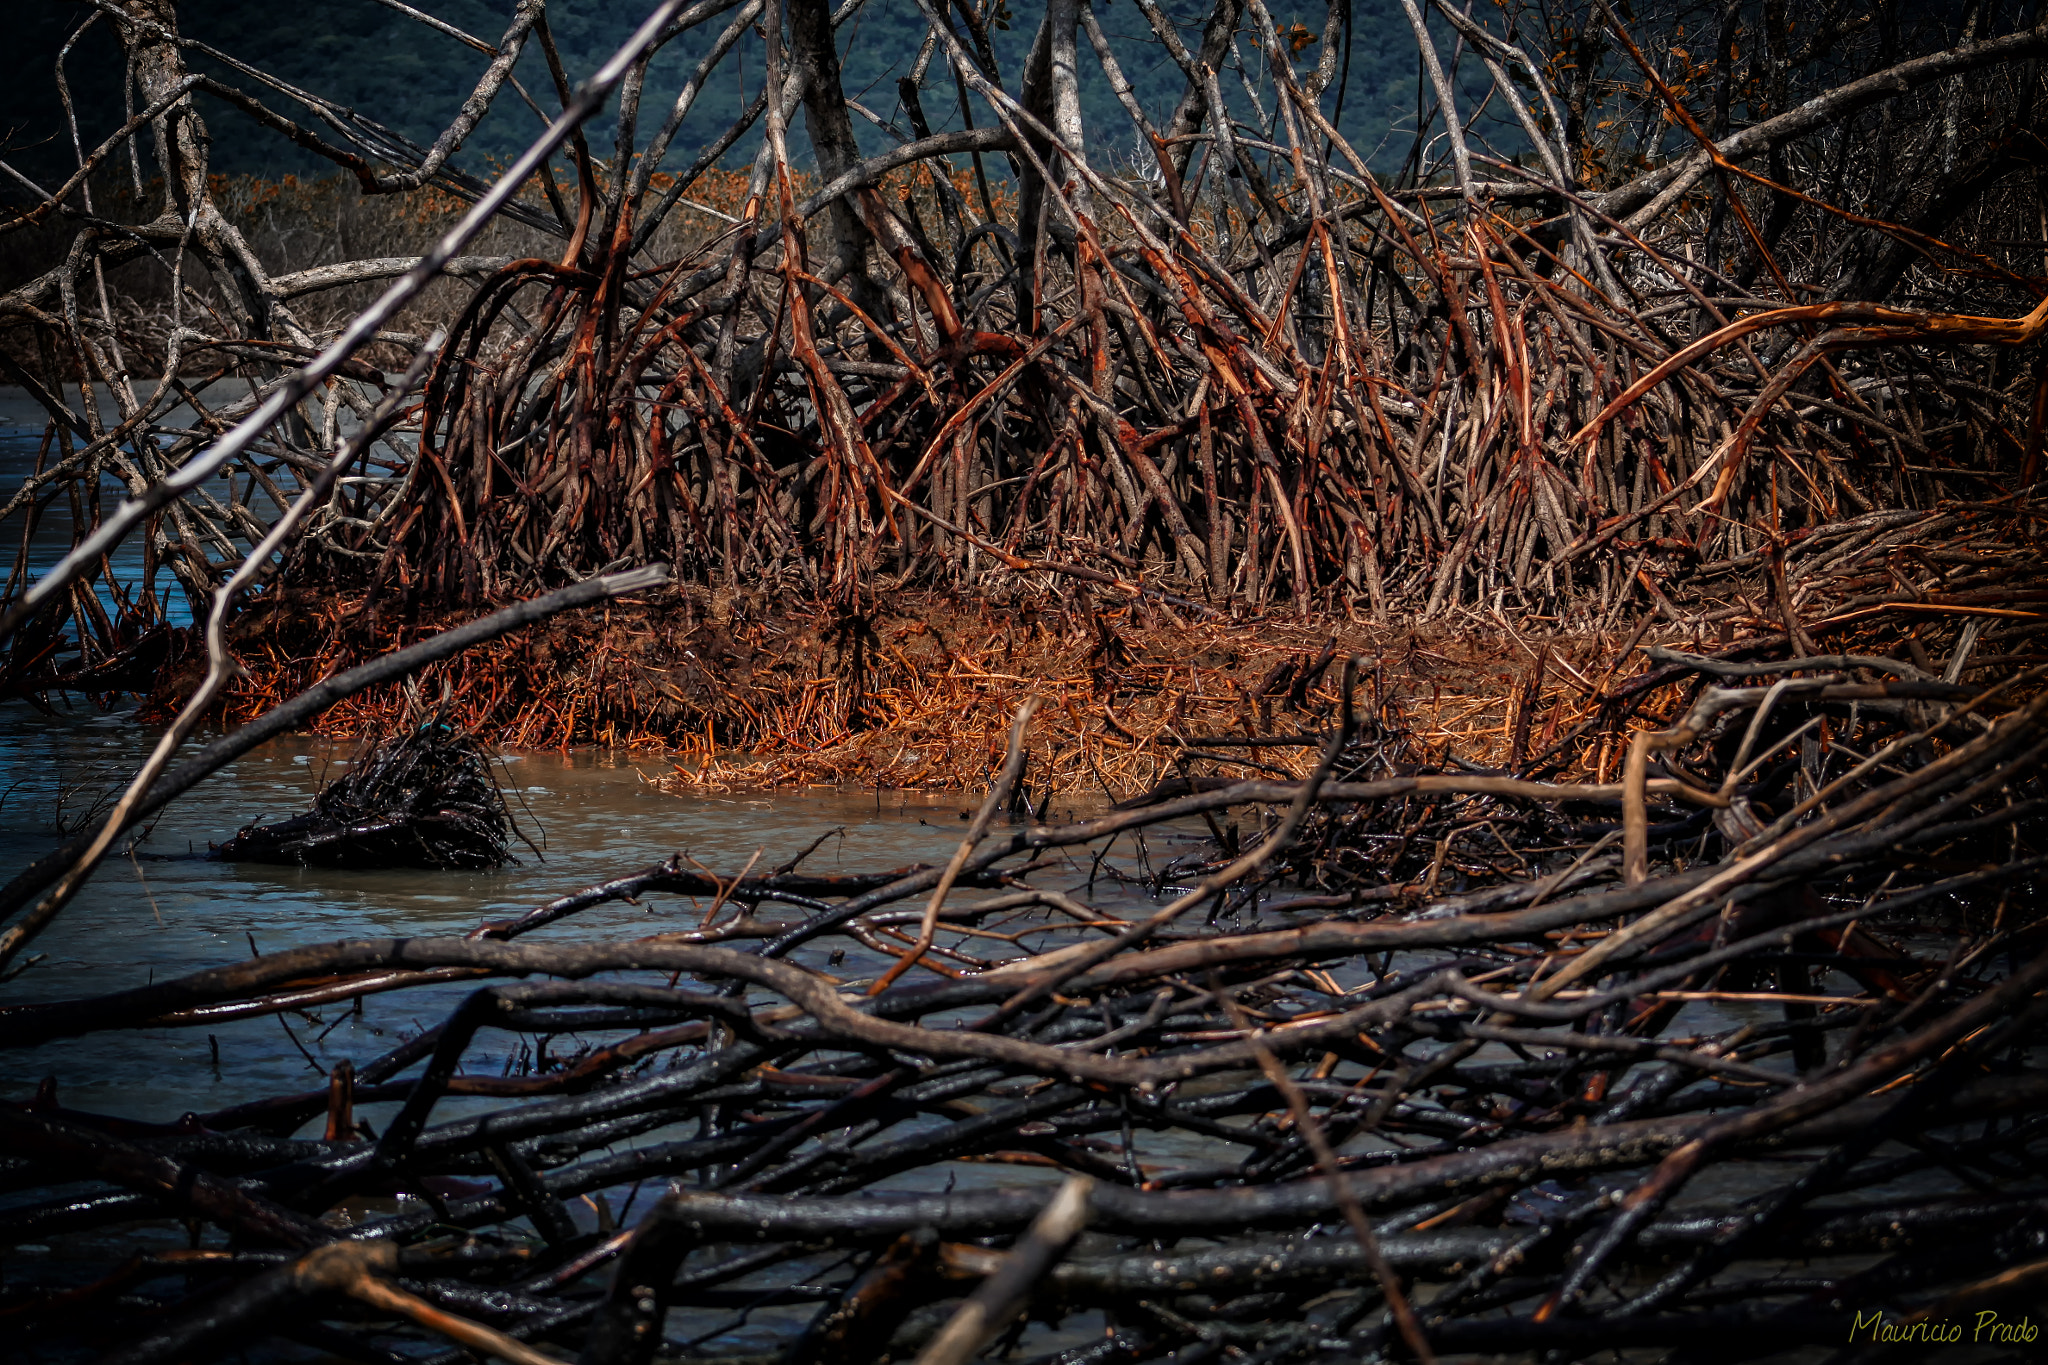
pixel 163 910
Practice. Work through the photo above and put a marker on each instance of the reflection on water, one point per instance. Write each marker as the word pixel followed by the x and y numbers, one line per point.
pixel 163 910
pixel 163 913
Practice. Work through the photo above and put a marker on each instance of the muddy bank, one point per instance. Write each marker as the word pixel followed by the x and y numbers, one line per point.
pixel 917 691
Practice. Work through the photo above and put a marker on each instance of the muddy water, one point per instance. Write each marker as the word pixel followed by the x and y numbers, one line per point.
pixel 163 911
pixel 166 911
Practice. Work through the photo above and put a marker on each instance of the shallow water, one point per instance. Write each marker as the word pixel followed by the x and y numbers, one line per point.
pixel 168 910
pixel 165 911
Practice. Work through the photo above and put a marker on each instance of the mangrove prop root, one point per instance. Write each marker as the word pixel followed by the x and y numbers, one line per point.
pixel 1251 374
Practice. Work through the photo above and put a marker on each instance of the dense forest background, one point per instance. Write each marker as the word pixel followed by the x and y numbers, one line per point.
pixel 413 80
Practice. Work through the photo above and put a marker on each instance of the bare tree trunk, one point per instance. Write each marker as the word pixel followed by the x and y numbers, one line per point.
pixel 1194 104
pixel 814 57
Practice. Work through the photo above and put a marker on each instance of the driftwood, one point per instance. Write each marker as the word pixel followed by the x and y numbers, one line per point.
pixel 1426 1028
pixel 1379 1022
pixel 424 799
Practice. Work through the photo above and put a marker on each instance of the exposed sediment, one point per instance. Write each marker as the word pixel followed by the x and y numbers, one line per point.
pixel 749 689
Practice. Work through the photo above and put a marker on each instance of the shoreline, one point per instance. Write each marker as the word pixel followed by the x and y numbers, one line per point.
pixel 921 694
